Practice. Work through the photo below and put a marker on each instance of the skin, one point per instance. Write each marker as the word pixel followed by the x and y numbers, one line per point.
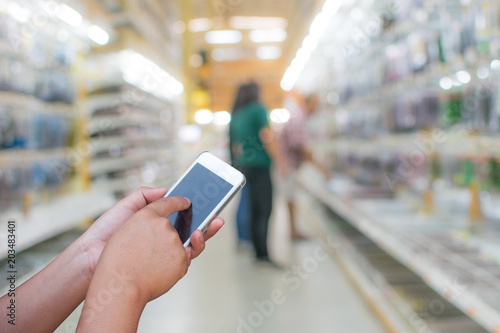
pixel 139 240
pixel 273 150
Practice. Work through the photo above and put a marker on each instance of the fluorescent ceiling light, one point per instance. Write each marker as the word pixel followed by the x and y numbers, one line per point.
pixel 495 64
pixel 203 117
pixel 483 73
pixel 269 52
pixel 227 54
pixel 148 76
pixel 257 22
pixel 446 83
pixel 69 15
pixel 223 37
pixel 463 76
pixel 98 35
pixel 200 24
pixel 357 14
pixel 316 31
pixel 267 35
pixel 318 26
pixel 19 13
pixel 189 133
pixel 222 118
pixel 279 116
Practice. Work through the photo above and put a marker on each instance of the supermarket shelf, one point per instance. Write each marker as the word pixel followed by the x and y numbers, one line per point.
pixel 109 164
pixel 144 100
pixel 100 123
pixel 23 100
pixel 373 295
pixel 104 143
pixel 463 146
pixel 61 214
pixel 395 243
pixel 28 155
pixel 403 302
pixel 124 184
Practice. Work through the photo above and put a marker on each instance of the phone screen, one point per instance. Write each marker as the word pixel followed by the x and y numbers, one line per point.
pixel 205 190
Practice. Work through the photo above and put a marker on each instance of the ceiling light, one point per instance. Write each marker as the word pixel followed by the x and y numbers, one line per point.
pixel 483 73
pixel 495 64
pixel 69 15
pixel 463 76
pixel 98 35
pixel 203 117
pixel 267 35
pixel 20 14
pixel 269 52
pixel 318 26
pixel 222 118
pixel 189 133
pixel 223 37
pixel 200 24
pixel 316 31
pixel 179 27
pixel 227 54
pixel 148 76
pixel 279 116
pixel 357 14
pixel 309 43
pixel 257 22
pixel 446 83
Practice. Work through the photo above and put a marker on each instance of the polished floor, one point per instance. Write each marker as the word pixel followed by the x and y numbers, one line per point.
pixel 226 292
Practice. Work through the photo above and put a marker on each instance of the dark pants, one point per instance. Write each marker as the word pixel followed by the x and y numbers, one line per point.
pixel 260 191
pixel 243 216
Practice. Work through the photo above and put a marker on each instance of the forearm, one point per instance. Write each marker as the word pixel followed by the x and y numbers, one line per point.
pixel 271 146
pixel 49 297
pixel 111 307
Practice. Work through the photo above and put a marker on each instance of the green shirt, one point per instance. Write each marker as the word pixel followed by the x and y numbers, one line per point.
pixel 245 126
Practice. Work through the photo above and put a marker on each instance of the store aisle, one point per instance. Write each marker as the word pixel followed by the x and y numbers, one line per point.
pixel 225 291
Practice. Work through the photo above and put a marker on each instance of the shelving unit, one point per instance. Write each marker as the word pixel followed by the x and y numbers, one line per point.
pixel 39 116
pixel 133 140
pixel 52 142
pixel 50 219
pixel 461 274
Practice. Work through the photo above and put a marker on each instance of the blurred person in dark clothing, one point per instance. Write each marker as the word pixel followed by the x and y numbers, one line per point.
pixel 254 149
pixel 243 212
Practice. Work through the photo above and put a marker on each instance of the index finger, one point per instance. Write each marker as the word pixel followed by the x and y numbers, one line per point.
pixel 164 207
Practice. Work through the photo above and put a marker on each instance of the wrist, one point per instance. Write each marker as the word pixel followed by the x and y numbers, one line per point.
pixel 120 308
pixel 89 251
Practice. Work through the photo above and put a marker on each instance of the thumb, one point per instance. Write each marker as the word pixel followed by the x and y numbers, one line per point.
pixel 140 198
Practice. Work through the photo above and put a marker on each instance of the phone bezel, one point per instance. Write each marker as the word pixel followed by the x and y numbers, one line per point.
pixel 221 169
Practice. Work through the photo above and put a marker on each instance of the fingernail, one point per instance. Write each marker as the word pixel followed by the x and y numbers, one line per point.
pixel 189 201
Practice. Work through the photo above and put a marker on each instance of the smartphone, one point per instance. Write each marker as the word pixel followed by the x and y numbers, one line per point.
pixel 210 184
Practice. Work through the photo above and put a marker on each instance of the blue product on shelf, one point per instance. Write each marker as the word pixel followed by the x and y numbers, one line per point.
pixel 7 129
pixel 46 174
pixel 55 86
pixel 49 131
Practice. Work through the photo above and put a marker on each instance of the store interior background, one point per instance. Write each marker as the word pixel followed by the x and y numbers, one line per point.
pixel 98 98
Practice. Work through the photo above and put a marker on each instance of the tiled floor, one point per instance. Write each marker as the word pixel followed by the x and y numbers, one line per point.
pixel 226 292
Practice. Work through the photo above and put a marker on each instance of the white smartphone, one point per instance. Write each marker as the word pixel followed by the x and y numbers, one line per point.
pixel 210 184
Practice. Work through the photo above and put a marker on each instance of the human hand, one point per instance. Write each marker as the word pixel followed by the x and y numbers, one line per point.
pixel 148 242
pixel 143 259
pixel 95 238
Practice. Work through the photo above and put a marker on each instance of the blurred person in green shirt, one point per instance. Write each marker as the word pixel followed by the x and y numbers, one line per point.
pixel 253 150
